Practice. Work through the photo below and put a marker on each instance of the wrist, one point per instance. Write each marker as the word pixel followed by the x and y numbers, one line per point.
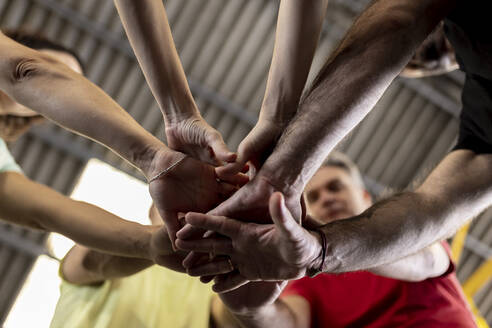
pixel 317 257
pixel 154 161
pixel 278 110
pixel 143 242
pixel 180 108
pixel 281 180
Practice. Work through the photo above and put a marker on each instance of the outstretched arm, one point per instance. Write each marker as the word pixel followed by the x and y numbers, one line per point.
pixel 49 87
pixel 298 28
pixel 83 265
pixel 372 54
pixel 33 205
pixel 457 190
pixel 148 30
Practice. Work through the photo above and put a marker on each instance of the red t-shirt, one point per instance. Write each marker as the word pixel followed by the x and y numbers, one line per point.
pixel 362 299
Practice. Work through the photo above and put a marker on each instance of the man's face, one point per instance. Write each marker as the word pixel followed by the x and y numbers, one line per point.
pixel 332 195
pixel 10 107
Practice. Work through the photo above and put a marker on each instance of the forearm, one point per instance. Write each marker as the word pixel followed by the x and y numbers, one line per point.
pixel 298 28
pixel 66 97
pixel 430 262
pixel 33 205
pixel 82 265
pixel 275 315
pixel 409 222
pixel 372 54
pixel 148 30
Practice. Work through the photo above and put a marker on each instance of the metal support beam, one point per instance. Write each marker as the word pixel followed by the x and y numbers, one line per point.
pixel 24 245
pixel 459 242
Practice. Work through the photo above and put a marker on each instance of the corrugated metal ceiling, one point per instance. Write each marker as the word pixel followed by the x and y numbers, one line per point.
pixel 226 48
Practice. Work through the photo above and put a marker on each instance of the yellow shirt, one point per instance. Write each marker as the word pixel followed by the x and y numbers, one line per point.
pixel 155 297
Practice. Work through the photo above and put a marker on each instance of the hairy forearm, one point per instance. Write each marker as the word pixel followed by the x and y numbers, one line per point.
pixel 52 89
pixel 30 204
pixel 298 28
pixel 148 30
pixel 430 262
pixel 372 54
pixel 409 222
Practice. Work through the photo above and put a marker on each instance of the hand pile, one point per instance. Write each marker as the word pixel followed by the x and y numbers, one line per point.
pixel 237 231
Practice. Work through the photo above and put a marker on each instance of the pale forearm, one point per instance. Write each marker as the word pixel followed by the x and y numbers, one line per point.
pixel 33 205
pixel 148 30
pixel 298 28
pixel 66 97
pixel 409 222
pixel 372 54
pixel 275 315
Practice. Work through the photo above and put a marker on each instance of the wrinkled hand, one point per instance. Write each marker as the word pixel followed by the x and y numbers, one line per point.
pixel 256 147
pixel 196 138
pixel 280 251
pixel 190 186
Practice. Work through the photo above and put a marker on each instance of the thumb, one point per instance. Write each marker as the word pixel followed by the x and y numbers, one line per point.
pixel 221 151
pixel 281 216
pixel 243 156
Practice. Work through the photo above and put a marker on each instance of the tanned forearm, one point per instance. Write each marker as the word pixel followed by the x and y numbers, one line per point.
pixel 298 28
pixel 430 262
pixel 408 222
pixel 30 204
pixel 40 83
pixel 148 30
pixel 82 265
pixel 375 50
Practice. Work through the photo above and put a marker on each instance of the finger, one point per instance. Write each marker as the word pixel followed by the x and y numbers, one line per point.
pixel 193 258
pixel 230 169
pixel 218 266
pixel 282 217
pixel 217 245
pixel 221 151
pixel 206 279
pixel 170 218
pixel 223 225
pixel 239 179
pixel 229 282
pixel 226 189
pixel 190 232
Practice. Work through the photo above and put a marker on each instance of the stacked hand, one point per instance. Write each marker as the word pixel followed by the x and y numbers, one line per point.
pixel 280 251
pixel 256 147
pixel 260 250
pixel 193 183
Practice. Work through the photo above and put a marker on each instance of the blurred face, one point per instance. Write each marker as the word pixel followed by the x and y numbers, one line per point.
pixel 10 107
pixel 332 195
